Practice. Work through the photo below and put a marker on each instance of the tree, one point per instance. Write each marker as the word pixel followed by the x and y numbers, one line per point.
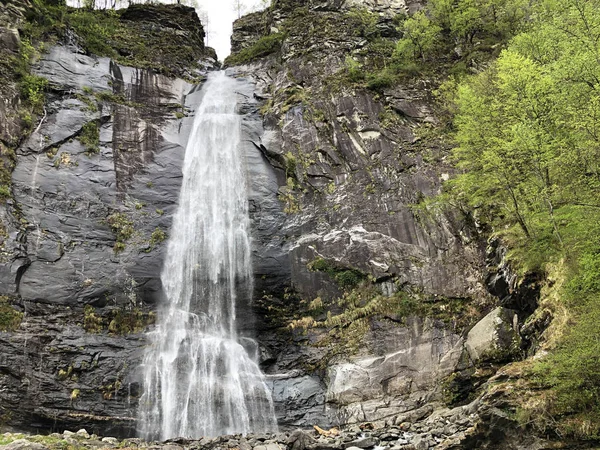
pixel 529 127
pixel 419 38
pixel 239 6
pixel 205 20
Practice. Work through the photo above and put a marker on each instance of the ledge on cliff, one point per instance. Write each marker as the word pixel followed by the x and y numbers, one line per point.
pixel 166 38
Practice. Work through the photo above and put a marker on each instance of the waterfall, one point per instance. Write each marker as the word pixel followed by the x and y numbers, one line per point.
pixel 198 379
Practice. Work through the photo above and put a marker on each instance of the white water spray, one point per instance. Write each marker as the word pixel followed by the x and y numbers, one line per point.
pixel 198 379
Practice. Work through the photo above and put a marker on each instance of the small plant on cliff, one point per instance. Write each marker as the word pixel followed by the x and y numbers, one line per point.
pixel 263 47
pixel 33 90
pixel 158 236
pixel 131 320
pixel 4 191
pixel 10 318
pixel 344 277
pixel 92 323
pixel 75 394
pixel 90 136
pixel 123 229
pixel 362 22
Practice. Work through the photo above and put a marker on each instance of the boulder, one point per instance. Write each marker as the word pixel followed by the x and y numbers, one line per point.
pixel 495 337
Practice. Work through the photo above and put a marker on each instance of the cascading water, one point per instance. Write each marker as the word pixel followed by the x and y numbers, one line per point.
pixel 198 379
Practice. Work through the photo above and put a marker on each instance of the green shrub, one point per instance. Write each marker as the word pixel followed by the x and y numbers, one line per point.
pixel 362 22
pixel 572 373
pixel 10 318
pixel 90 136
pixel 126 321
pixel 158 236
pixel 92 323
pixel 96 29
pixel 346 278
pixel 5 191
pixel 263 47
pixel 354 70
pixel 123 229
pixel 33 91
pixel 381 80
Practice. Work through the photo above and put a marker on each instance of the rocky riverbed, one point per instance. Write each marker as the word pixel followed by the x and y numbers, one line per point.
pixel 476 425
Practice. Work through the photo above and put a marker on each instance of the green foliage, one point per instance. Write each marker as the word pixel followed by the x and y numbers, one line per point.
pixel 290 164
pixel 5 191
pixel 96 29
pixel 420 38
pixel 354 70
pixel 264 46
pixel 75 394
pixel 572 371
pixel 528 134
pixel 289 197
pixel 90 136
pixel 123 229
pixel 528 128
pixel 158 236
pixel 137 43
pixel 381 80
pixel 121 321
pixel 477 27
pixel 10 318
pixel 132 320
pixel 92 323
pixel 363 22
pixel 33 91
pixel 52 442
pixel 344 277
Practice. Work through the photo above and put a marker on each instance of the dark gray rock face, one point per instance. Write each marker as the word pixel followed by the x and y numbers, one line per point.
pixel 86 292
pixel 350 166
pixel 106 158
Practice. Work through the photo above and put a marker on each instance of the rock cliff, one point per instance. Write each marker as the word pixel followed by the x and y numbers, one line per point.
pixel 94 185
pixel 368 307
pixel 368 318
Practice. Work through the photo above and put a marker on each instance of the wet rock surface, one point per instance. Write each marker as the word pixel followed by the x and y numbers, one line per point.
pixel 93 191
pixel 349 166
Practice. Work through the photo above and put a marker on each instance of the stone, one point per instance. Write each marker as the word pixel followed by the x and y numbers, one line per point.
pixel 273 446
pixel 110 440
pixel 366 442
pixel 83 433
pixel 24 444
pixel 414 360
pixel 495 337
pixel 299 440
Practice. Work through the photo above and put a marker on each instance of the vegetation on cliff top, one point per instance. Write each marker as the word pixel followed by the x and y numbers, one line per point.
pixel 165 38
pixel 527 131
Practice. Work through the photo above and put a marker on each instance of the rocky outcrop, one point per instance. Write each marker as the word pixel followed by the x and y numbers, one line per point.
pixel 93 190
pixel 73 198
pixel 351 165
pixel 495 337
pixel 12 17
pixel 363 296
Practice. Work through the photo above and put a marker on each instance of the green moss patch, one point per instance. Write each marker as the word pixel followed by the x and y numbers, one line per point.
pixel 10 318
pixel 264 46
pixel 346 278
